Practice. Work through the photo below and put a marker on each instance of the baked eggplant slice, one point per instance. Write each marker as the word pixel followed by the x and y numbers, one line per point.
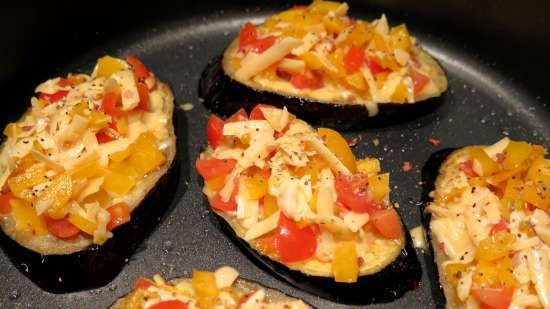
pixel 75 169
pixel 221 289
pixel 327 68
pixel 489 225
pixel 298 202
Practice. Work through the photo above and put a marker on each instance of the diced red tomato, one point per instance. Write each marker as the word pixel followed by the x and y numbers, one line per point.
pixel 387 223
pixel 103 137
pixel 256 113
pixel 374 66
pixel 214 131
pixel 247 35
pixel 468 168
pixel 407 166
pixel 63 82
pixel 353 193
pixel 142 283
pixel 61 228
pixel 54 97
pixel 354 59
pixel 295 244
pixel 109 105
pixel 494 298
pixel 140 70
pixel 420 81
pixel 213 168
pixel 143 93
pixel 502 225
pixel 169 304
pixel 240 115
pixel 5 207
pixel 120 214
pixel 218 203
pixel 306 80
pixel 260 45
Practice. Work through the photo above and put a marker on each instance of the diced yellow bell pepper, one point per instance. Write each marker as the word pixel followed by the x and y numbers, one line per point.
pixel 22 184
pixel 118 183
pixel 516 154
pixel 88 169
pixel 101 196
pixel 59 191
pixel 205 287
pixel 499 177
pixel 122 126
pixel 107 65
pixel 334 25
pixel 121 155
pixel 256 186
pixel 513 189
pixel 389 62
pixel 12 130
pixel 26 219
pixel 537 194
pixel 379 185
pixel 313 201
pixel 380 43
pixel 338 145
pixel 269 206
pixel 217 183
pixel 323 7
pixel 337 69
pixel 380 79
pixel 400 37
pixel 99 120
pixel 146 156
pixel 124 168
pixel 312 60
pixel 360 35
pixel 483 164
pixel 344 264
pixel 400 94
pixel 527 228
pixel 369 166
pixel 507 206
pixel 496 273
pixel 357 82
pixel 312 168
pixel 539 167
pixel 477 182
pixel 495 247
pixel 454 272
pixel 83 224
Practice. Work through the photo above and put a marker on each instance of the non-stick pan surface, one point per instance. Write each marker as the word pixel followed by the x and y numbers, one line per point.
pixel 495 54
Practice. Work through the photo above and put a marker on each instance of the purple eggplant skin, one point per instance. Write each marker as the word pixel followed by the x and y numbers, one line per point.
pixel 429 174
pixel 391 283
pixel 97 265
pixel 224 96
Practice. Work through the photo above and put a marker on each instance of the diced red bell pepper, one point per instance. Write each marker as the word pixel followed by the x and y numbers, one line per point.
pixel 54 97
pixel 306 80
pixel 218 203
pixel 295 244
pixel 169 304
pixel 214 131
pixel 354 59
pixel 61 228
pixel 468 168
pixel 260 45
pixel 247 35
pixel 5 198
pixel 256 113
pixel 387 223
pixel 63 82
pixel 103 137
pixel 353 193
pixel 374 66
pixel 120 214
pixel 239 115
pixel 143 93
pixel 109 105
pixel 140 70
pixel 142 283
pixel 420 81
pixel 502 225
pixel 213 168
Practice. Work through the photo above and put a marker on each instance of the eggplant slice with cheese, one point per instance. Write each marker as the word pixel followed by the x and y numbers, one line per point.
pixel 221 289
pixel 86 173
pixel 327 68
pixel 487 210
pixel 297 201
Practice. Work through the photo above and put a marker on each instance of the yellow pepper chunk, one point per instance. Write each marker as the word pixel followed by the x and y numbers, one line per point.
pixel 513 189
pixel 495 247
pixel 516 154
pixel 359 35
pixel 312 168
pixel 400 37
pixel 82 223
pixel 344 264
pixel 334 25
pixel 338 145
pixel 26 219
pixel 537 194
pixel 400 93
pixel 121 155
pixel 357 82
pixel 369 166
pixel 217 183
pixel 380 186
pixel 88 169
pixel 205 287
pixel 454 272
pixel 58 192
pixel 118 183
pixel 269 206
pixel 323 7
pixel 313 201
pixel 380 43
pixel 256 187
pixel 12 130
pixel 22 184
pixel 98 120
pixel 539 167
pixel 106 66
pixel 146 156
pixel 312 60
pixel 483 164
pixel 496 273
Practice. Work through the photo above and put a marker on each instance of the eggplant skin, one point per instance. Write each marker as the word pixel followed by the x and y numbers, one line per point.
pixel 434 256
pixel 243 285
pixel 387 285
pixel 94 265
pixel 224 95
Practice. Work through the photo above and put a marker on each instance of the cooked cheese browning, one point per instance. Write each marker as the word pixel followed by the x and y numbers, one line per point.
pixel 297 194
pixel 70 166
pixel 489 226
pixel 220 289
pixel 321 53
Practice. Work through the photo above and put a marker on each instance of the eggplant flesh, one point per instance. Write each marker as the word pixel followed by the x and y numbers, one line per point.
pixel 224 95
pixel 389 284
pixel 96 265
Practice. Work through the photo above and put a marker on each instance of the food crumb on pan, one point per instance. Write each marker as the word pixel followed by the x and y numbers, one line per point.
pixel 418 237
pixel 352 142
pixel 186 106
pixel 376 142
pixel 434 142
pixel 407 166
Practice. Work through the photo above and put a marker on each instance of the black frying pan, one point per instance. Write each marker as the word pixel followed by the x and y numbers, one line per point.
pixel 495 53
